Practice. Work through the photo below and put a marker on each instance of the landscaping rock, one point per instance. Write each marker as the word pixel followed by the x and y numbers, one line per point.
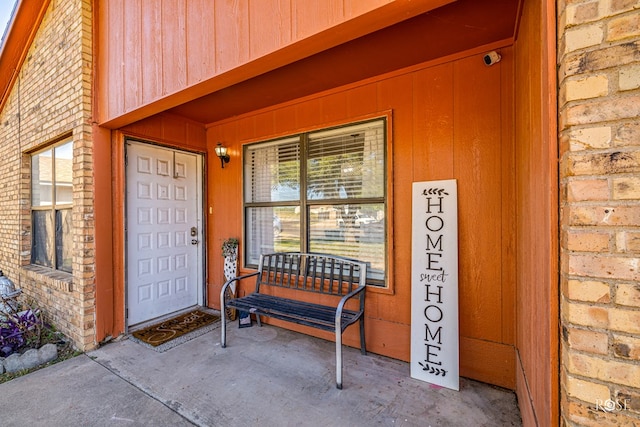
pixel 13 363
pixel 1 365
pixel 47 353
pixel 31 358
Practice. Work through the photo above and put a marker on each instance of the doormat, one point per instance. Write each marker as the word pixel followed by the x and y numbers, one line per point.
pixel 172 332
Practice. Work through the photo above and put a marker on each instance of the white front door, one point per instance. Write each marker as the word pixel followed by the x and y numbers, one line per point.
pixel 164 231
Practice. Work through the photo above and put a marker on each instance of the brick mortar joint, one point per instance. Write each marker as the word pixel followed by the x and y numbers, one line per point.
pixel 610 231
pixel 608 203
pixel 598 176
pixel 576 155
pixel 585 229
pixel 595 177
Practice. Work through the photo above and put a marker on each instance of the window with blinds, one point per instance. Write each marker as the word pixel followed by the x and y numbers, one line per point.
pixel 322 191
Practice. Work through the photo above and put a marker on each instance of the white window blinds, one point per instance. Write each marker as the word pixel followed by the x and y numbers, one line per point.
pixel 272 171
pixel 346 163
pixel 322 191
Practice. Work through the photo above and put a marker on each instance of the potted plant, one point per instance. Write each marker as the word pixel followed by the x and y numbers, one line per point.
pixel 230 254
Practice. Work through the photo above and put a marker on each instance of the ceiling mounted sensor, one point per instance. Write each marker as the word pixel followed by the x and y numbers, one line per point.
pixel 491 58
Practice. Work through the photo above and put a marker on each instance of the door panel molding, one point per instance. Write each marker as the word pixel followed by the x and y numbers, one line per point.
pixel 164 236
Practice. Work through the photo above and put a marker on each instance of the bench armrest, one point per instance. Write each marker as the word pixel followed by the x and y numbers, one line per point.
pixel 228 283
pixel 344 300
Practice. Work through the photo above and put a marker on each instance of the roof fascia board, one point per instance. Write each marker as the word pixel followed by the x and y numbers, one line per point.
pixel 28 15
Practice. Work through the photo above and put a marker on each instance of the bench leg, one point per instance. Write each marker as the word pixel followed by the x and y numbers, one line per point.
pixel 363 346
pixel 223 321
pixel 223 332
pixel 339 359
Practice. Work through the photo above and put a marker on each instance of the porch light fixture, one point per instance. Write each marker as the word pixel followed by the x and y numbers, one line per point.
pixel 221 152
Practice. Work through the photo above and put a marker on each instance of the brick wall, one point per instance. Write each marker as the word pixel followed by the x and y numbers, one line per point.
pixel 599 110
pixel 50 100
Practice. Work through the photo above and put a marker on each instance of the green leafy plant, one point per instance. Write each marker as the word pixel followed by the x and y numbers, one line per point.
pixel 229 247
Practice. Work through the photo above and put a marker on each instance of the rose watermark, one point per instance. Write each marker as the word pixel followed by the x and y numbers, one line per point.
pixel 610 405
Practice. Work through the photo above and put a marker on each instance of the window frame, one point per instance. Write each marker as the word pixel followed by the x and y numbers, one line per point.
pixel 305 202
pixel 54 208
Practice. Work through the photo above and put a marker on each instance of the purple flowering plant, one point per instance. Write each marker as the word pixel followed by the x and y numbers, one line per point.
pixel 20 326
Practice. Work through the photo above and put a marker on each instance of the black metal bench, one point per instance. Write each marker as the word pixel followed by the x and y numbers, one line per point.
pixel 335 276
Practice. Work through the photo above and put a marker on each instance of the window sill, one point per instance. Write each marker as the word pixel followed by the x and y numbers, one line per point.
pixel 59 280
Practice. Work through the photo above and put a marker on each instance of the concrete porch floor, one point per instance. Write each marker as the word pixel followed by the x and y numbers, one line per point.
pixel 266 376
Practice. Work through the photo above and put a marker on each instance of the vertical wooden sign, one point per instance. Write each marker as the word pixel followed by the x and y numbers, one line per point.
pixel 434 283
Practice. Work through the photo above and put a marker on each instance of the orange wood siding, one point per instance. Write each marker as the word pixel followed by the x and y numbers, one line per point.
pixel 106 289
pixel 449 120
pixel 152 65
pixel 537 212
pixel 170 130
pixel 152 49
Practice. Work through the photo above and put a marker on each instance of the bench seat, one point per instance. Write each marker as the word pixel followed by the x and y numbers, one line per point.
pixel 300 312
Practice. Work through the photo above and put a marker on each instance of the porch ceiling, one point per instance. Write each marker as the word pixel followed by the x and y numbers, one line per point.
pixel 457 27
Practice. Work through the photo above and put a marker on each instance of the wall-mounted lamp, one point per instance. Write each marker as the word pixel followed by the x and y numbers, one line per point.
pixel 221 152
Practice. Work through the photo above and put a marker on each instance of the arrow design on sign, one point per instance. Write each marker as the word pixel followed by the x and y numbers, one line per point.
pixel 430 369
pixel 434 192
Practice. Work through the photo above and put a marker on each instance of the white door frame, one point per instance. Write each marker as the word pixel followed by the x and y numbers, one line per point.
pixel 200 237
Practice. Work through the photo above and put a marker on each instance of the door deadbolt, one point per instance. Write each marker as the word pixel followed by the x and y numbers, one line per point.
pixel 194 231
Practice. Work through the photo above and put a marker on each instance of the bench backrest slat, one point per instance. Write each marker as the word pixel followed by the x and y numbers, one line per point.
pixel 281 270
pixel 321 273
pixel 291 272
pixel 313 263
pixel 332 272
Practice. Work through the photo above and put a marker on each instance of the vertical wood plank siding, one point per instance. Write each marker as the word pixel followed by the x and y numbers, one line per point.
pixel 274 14
pixel 174 29
pixel 132 42
pixel 200 43
pixel 476 163
pixel 153 54
pixel 536 166
pixel 161 47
